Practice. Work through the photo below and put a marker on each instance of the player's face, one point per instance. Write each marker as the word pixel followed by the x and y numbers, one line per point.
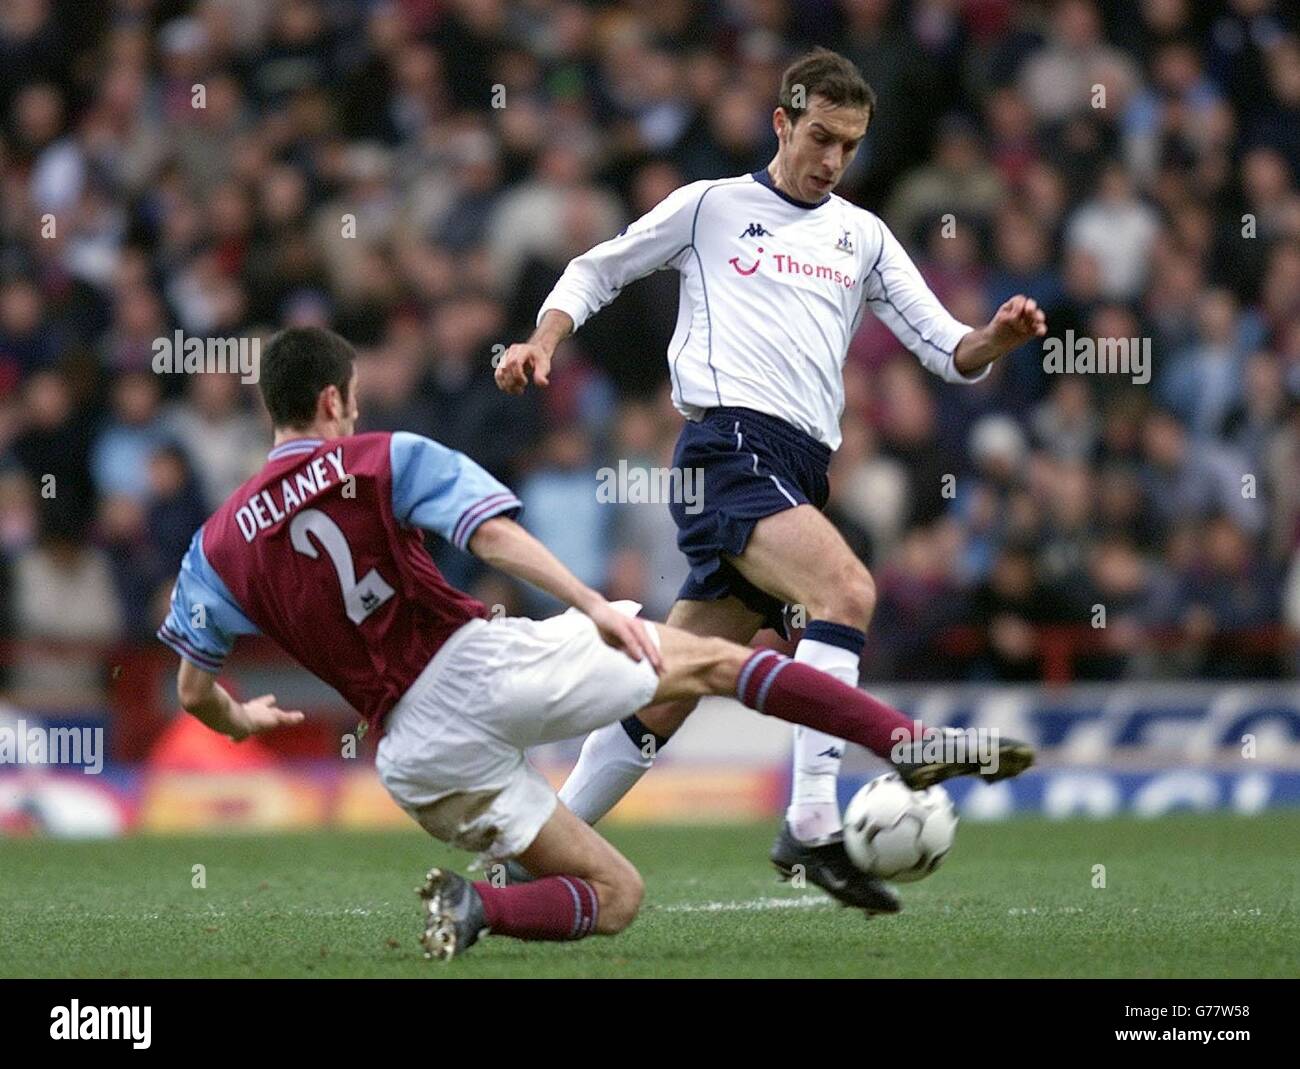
pixel 815 151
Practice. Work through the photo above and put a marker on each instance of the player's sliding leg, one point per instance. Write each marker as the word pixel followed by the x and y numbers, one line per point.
pixel 778 686
pixel 616 756
pixel 569 845
pixel 582 886
pixel 788 689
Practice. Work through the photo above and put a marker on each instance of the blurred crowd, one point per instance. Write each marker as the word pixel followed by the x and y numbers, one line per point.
pixel 416 174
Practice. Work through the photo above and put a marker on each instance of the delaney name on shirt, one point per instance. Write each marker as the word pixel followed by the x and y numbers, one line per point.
pixel 261 510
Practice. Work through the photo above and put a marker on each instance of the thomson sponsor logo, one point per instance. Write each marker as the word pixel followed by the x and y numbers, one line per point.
pixel 639 485
pixel 1072 355
pixel 181 355
pixel 76 1021
pixel 788 265
pixel 928 746
pixel 22 743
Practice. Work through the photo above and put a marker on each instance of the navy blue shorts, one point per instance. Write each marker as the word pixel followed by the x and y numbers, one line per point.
pixel 753 465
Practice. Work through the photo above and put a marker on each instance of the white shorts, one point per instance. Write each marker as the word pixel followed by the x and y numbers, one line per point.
pixel 452 754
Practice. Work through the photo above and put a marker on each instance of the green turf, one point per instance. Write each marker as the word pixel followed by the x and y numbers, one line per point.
pixel 1185 896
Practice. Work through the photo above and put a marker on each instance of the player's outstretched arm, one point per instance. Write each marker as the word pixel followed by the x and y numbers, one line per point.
pixel 534 355
pixel 956 352
pixel 1018 320
pixel 656 240
pixel 203 697
pixel 503 544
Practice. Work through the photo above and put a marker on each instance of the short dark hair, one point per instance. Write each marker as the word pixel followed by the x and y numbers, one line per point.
pixel 824 73
pixel 296 365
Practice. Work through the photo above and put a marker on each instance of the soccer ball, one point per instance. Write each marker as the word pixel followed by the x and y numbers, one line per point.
pixel 896 833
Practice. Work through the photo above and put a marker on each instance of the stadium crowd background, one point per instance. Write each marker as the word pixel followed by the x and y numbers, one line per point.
pixel 1170 214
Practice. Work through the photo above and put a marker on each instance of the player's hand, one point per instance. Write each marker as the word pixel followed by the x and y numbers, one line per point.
pixel 626 633
pixel 262 714
pixel 521 360
pixel 1018 320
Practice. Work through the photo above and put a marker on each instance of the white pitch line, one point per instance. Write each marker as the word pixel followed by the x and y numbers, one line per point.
pixel 753 905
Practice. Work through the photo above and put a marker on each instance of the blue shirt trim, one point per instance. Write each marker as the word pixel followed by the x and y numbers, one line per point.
pixel 294 446
pixel 198 583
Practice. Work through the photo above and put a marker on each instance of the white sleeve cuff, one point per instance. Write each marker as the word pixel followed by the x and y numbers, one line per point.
pixel 570 304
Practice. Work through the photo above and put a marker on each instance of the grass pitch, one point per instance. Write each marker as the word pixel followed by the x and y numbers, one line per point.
pixel 1194 896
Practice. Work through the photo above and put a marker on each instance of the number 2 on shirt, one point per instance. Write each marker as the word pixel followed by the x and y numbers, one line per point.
pixel 360 599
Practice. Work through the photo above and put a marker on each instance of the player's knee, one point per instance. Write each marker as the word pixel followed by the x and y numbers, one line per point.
pixel 850 599
pixel 620 897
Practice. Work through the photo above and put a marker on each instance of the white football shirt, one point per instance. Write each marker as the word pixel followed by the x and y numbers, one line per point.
pixel 772 291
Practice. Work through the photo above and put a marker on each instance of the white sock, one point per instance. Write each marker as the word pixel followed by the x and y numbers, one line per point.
pixel 608 767
pixel 814 812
